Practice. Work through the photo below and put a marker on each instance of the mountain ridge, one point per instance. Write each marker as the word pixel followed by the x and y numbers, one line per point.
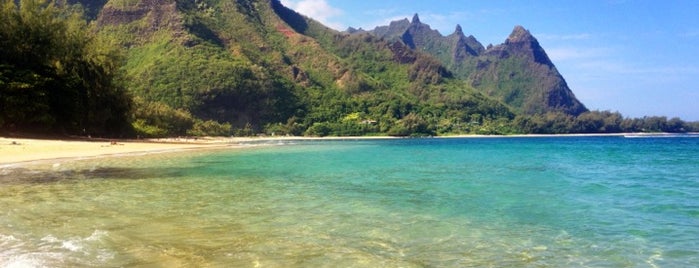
pixel 154 68
pixel 517 72
pixel 261 53
pixel 531 86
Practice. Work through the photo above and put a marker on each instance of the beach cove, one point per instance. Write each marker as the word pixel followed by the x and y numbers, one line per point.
pixel 575 201
pixel 18 150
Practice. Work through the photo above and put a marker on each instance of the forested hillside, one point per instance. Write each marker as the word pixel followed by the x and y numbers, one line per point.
pixel 155 68
pixel 262 67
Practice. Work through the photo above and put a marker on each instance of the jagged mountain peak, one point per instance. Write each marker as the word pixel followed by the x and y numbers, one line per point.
pixel 352 30
pixel 458 30
pixel 417 35
pixel 522 42
pixel 522 74
pixel 518 71
pixel 404 21
pixel 416 19
pixel 520 34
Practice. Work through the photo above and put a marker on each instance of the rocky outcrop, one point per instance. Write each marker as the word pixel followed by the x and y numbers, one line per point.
pixel 451 50
pixel 517 72
pixel 157 14
pixel 521 74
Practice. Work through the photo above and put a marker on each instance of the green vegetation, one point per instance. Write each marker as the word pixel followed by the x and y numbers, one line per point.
pixel 599 122
pixel 218 68
pixel 56 74
pixel 245 64
pixel 517 72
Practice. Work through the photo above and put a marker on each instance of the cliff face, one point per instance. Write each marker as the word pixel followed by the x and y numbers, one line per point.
pixel 520 73
pixel 144 18
pixel 451 50
pixel 463 46
pixel 517 72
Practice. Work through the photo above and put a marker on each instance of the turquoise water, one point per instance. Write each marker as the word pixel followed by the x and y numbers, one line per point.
pixel 477 202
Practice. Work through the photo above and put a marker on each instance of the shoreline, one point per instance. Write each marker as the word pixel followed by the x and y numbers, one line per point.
pixel 19 150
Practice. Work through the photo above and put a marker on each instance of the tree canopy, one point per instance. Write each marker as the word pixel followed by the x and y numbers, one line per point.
pixel 56 73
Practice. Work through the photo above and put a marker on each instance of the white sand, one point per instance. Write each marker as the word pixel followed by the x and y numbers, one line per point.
pixel 16 150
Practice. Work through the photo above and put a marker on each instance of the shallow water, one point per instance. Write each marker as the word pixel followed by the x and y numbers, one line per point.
pixel 502 202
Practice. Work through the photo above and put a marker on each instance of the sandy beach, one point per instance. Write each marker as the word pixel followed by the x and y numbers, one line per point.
pixel 22 150
pixel 19 150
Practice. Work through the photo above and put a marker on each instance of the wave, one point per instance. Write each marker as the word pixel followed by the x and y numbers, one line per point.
pixel 51 251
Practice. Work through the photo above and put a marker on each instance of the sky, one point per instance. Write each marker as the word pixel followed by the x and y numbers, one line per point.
pixel 640 58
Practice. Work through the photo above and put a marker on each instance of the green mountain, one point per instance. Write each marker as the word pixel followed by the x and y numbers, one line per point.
pixel 263 67
pixel 221 67
pixel 517 72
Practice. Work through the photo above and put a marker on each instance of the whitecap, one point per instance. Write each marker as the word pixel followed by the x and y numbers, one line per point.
pixel 35 259
pixel 72 245
pixel 97 235
pixel 8 238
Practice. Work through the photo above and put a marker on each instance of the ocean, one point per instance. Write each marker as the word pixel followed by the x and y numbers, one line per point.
pixel 432 202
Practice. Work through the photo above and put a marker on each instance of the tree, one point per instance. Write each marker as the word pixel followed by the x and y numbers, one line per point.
pixel 56 74
pixel 654 123
pixel 675 124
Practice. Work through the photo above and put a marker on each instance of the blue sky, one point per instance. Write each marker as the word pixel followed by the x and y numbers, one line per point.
pixel 636 57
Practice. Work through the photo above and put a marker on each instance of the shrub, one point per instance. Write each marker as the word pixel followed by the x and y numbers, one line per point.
pixel 146 130
pixel 209 128
pixel 319 129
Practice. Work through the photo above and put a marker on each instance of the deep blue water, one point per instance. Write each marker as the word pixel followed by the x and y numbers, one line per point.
pixel 455 202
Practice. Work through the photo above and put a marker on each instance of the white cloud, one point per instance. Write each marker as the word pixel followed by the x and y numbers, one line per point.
pixel 319 10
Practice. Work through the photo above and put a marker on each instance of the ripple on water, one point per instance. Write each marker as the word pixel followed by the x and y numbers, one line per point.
pixel 494 202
